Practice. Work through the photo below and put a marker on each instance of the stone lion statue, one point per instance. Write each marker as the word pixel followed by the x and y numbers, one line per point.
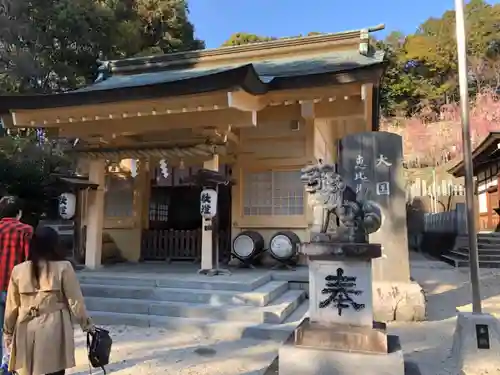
pixel 358 216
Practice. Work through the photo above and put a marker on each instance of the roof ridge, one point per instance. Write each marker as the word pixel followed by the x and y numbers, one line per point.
pixel 185 57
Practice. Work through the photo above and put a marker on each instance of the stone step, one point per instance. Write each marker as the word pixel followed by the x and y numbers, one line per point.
pixel 488 243
pixel 483 239
pixel 482 247
pixel 148 280
pixel 483 251
pixel 456 261
pixel 461 254
pixel 493 234
pixel 490 235
pixel 207 327
pixel 260 296
pixel 274 313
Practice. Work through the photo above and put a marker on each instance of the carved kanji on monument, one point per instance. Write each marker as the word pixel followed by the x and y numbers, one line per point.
pixel 340 291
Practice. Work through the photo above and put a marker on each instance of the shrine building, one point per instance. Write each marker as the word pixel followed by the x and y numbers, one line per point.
pixel 256 113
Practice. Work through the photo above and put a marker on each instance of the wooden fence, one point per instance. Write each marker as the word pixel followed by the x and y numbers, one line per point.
pixel 454 221
pixel 170 244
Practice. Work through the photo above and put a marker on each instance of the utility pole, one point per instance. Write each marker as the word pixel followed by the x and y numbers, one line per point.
pixel 467 152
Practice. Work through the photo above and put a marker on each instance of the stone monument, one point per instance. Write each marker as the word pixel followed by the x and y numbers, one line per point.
pixel 372 163
pixel 340 336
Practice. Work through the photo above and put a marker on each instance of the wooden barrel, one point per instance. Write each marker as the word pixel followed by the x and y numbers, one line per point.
pixel 247 245
pixel 284 245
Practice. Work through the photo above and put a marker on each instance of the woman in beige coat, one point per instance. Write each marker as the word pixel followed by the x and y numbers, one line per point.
pixel 43 293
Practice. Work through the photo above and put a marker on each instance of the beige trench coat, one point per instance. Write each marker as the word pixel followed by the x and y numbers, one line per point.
pixel 39 319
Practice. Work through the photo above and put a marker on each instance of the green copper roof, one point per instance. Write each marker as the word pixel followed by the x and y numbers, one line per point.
pixel 256 78
pixel 176 74
pixel 267 70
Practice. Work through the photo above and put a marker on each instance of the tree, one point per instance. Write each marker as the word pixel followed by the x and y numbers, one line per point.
pixel 238 39
pixel 433 49
pixel 27 163
pixel 50 46
pixel 149 27
pixel 430 143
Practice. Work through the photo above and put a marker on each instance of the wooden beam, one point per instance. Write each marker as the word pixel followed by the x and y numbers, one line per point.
pixel 339 107
pixel 222 134
pixel 54 117
pixel 147 151
pixel 313 93
pixel 246 102
pixel 193 120
pixel 281 113
pixel 196 104
pixel 230 136
pixel 7 121
pixel 161 123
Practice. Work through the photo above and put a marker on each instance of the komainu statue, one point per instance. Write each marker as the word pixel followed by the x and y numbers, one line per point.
pixel 356 217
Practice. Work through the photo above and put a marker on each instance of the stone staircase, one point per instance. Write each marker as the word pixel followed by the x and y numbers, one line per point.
pixel 488 248
pixel 220 306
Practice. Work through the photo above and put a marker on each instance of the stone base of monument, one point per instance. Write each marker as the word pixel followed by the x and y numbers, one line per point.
pixel 399 301
pixel 317 349
pixel 476 344
pixel 340 338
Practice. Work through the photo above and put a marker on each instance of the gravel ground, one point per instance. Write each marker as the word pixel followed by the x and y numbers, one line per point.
pixel 148 351
pixel 145 351
pixel 429 343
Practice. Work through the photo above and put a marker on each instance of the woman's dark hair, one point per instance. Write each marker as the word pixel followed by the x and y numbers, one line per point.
pixel 44 247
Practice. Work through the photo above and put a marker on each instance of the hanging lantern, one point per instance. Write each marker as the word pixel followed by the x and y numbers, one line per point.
pixel 164 168
pixel 67 205
pixel 208 203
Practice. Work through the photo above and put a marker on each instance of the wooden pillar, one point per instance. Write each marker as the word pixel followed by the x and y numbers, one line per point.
pixel 368 101
pixel 141 195
pixel 95 214
pixel 207 259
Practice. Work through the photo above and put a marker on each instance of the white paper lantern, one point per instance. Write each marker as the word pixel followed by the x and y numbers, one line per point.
pixel 67 205
pixel 208 203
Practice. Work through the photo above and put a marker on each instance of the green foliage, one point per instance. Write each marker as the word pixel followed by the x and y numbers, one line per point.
pixel 238 39
pixel 26 169
pixel 54 45
pixel 423 70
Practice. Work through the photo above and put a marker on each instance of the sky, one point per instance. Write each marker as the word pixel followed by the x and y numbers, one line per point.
pixel 216 20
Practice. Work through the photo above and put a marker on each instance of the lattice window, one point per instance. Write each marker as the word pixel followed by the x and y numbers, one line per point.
pixel 276 193
pixel 119 196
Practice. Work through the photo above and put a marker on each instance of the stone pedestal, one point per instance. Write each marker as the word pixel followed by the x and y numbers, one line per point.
pixel 340 336
pixel 300 360
pixel 476 344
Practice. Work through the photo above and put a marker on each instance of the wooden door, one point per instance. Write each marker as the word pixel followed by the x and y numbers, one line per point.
pixel 492 204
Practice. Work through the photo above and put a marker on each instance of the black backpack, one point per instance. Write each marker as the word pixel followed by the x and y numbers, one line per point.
pixel 99 347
